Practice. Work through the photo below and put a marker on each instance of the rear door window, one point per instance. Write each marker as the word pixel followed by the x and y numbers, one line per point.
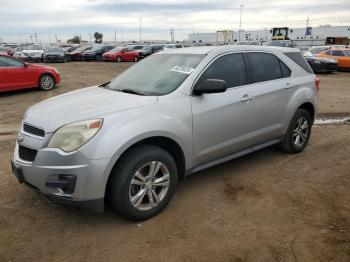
pixel 337 53
pixel 10 62
pixel 230 68
pixel 300 60
pixel 263 67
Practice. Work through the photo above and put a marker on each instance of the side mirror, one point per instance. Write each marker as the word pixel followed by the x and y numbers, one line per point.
pixel 210 86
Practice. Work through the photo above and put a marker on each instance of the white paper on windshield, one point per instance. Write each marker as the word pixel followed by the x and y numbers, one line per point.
pixel 182 69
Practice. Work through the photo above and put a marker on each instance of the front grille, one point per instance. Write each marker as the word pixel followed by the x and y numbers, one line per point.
pixel 27 154
pixel 33 130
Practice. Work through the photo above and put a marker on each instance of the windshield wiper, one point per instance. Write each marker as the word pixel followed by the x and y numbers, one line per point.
pixel 131 91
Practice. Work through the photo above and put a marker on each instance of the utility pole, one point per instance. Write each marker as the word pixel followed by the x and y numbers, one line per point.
pixel 240 23
pixel 307 25
pixel 36 38
pixel 115 37
pixel 140 28
pixel 172 35
pixel 122 34
pixel 56 38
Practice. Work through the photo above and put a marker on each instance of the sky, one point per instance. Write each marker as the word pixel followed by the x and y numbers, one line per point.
pixel 120 19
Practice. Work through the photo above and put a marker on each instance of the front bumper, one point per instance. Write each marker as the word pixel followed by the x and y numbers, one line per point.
pixel 69 178
pixel 88 57
pixel 54 59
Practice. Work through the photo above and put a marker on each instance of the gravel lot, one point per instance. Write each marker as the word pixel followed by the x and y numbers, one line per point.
pixel 267 206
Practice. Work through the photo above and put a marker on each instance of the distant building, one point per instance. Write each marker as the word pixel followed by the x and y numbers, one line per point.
pixel 312 36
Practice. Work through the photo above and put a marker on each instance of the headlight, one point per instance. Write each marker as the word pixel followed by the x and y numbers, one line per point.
pixel 72 136
pixel 317 62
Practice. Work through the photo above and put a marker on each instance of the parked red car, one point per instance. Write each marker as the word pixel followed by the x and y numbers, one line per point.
pixel 77 54
pixel 17 74
pixel 120 54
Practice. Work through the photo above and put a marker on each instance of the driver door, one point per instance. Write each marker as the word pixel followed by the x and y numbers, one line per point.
pixel 13 74
pixel 223 123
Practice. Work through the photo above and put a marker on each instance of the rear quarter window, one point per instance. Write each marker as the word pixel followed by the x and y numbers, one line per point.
pixel 263 67
pixel 300 60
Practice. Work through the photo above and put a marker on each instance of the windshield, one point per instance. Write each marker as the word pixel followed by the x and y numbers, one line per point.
pixel 116 49
pixel 55 50
pixel 35 47
pixel 81 49
pixel 156 75
pixel 347 52
pixel 2 49
pixel 316 50
pixel 307 54
pixel 96 47
pixel 146 48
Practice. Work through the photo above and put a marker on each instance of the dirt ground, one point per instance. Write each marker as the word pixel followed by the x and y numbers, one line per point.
pixel 267 206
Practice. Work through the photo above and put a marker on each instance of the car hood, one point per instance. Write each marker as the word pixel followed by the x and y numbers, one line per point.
pixel 82 104
pixel 33 51
pixel 109 53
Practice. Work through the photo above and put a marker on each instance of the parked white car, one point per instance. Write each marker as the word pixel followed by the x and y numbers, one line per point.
pixel 32 53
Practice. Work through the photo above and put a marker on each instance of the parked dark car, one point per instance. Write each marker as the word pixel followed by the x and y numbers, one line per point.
pixel 56 54
pixel 78 53
pixel 135 47
pixel 150 49
pixel 96 52
pixel 321 64
pixel 282 43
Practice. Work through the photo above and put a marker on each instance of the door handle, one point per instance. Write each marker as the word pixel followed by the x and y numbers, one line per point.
pixel 287 86
pixel 246 98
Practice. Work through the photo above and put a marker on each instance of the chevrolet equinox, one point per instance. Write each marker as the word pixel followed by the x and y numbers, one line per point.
pixel 130 140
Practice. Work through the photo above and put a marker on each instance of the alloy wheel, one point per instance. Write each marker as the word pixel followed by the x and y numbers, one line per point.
pixel 46 82
pixel 149 185
pixel 300 132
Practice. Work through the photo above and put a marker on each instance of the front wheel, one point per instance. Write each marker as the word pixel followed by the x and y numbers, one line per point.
pixel 119 59
pixel 136 58
pixel 46 82
pixel 99 58
pixel 298 133
pixel 143 182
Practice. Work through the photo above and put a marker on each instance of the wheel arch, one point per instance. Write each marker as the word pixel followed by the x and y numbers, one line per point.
pixel 166 143
pixel 309 107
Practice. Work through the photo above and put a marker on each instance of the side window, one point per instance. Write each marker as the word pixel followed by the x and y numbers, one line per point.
pixel 230 68
pixel 285 70
pixel 329 52
pixel 263 67
pixel 10 62
pixel 337 53
pixel 300 60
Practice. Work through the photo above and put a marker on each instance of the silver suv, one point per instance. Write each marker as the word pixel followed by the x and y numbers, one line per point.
pixel 130 140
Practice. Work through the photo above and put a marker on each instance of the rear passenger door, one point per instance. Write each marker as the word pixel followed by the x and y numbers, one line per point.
pixel 223 123
pixel 271 89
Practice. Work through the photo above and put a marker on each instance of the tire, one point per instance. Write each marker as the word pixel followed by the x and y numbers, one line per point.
pixel 298 134
pixel 136 59
pixel 125 185
pixel 119 59
pixel 98 58
pixel 46 82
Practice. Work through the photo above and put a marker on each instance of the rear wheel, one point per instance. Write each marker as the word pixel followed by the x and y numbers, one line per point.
pixel 98 58
pixel 143 182
pixel 46 82
pixel 298 133
pixel 119 59
pixel 136 58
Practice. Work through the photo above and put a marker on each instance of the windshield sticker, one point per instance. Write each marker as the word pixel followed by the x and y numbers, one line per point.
pixel 182 69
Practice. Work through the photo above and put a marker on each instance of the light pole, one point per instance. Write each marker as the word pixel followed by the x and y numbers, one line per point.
pixel 140 29
pixel 240 23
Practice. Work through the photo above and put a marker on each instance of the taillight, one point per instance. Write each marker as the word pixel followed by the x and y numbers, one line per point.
pixel 317 83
